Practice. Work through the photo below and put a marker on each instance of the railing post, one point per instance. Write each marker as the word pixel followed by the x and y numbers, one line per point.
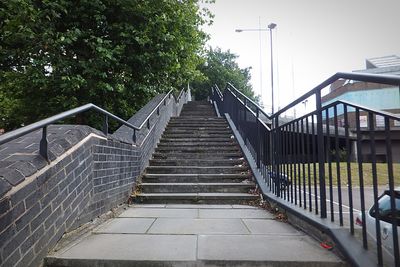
pixel 276 158
pixel 321 155
pixel 258 137
pixel 105 125
pixel 43 146
pixel 134 136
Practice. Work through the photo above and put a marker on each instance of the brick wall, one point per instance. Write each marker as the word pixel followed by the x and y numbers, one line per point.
pixel 89 174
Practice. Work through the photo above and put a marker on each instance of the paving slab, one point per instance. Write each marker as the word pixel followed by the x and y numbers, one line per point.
pixel 244 207
pixel 194 236
pixel 134 247
pixel 198 226
pixel 126 226
pixel 262 248
pixel 270 227
pixel 234 213
pixel 148 206
pixel 160 213
pixel 197 206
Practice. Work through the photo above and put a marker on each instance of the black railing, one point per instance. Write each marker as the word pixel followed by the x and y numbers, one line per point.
pixel 321 160
pixel 43 124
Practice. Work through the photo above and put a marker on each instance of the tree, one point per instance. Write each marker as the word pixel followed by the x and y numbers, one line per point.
pixel 220 67
pixel 60 54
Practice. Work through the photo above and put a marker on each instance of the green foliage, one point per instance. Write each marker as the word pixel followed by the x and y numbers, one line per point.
pixel 117 54
pixel 220 67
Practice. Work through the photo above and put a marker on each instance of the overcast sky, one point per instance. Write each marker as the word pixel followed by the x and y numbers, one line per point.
pixel 314 39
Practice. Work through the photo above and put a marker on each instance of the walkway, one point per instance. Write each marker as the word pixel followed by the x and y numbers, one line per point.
pixel 194 235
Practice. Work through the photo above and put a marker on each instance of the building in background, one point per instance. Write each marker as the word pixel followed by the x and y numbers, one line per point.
pixel 374 96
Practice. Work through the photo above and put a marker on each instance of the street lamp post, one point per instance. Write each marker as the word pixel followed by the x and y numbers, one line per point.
pixel 269 28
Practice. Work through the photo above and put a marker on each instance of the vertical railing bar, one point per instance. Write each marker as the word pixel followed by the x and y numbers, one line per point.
pixel 303 164
pixel 329 160
pixel 43 146
pixel 298 161
pixel 314 159
pixel 375 186
pixel 258 138
pixel 361 178
pixel 321 155
pixel 308 163
pixel 105 125
pixel 296 143
pixel 392 193
pixel 348 165
pixel 291 129
pixel 337 155
pixel 282 160
pixel 287 162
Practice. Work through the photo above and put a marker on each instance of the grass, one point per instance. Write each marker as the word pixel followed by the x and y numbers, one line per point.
pixel 381 170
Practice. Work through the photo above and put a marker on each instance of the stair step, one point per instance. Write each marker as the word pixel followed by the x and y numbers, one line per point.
pixel 243 187
pixel 187 140
pixel 212 120
pixel 194 162
pixel 196 135
pixel 197 130
pixel 199 198
pixel 195 178
pixel 217 150
pixel 197 127
pixel 195 169
pixel 193 155
pixel 196 144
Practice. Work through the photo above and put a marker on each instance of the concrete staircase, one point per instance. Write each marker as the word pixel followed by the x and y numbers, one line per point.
pixel 197 161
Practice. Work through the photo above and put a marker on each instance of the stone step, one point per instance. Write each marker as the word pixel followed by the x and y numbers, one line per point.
pixel 217 127
pixel 195 169
pixel 196 144
pixel 208 150
pixel 193 155
pixel 198 131
pixel 204 139
pixel 198 198
pixel 243 187
pixel 196 162
pixel 196 135
pixel 199 120
pixel 195 178
pixel 199 114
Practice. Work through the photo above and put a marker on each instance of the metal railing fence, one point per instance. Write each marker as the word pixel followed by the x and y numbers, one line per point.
pixel 43 124
pixel 322 161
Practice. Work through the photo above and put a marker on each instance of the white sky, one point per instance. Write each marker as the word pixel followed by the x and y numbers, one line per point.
pixel 314 39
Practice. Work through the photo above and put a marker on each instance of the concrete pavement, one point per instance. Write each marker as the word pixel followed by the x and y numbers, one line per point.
pixel 194 235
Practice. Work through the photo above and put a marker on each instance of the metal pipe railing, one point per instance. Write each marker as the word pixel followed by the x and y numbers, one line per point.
pixel 299 159
pixel 43 124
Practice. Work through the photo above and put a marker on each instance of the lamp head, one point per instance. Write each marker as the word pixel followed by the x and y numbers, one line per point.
pixel 238 30
pixel 272 26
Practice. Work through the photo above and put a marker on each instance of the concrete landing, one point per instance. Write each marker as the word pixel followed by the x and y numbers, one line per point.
pixel 194 235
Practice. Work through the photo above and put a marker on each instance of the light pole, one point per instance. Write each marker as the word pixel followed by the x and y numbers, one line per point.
pixel 269 28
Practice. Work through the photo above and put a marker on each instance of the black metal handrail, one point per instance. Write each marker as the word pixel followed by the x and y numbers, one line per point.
pixel 297 159
pixel 362 77
pixel 43 124
pixel 247 100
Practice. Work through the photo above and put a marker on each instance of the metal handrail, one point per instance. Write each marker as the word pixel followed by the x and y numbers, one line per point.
pixel 275 148
pixel 248 100
pixel 156 108
pixel 42 124
pixel 362 77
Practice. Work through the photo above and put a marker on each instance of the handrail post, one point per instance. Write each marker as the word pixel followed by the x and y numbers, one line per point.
pixel 43 146
pixel 258 137
pixel 321 154
pixel 105 125
pixel 134 136
pixel 275 171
